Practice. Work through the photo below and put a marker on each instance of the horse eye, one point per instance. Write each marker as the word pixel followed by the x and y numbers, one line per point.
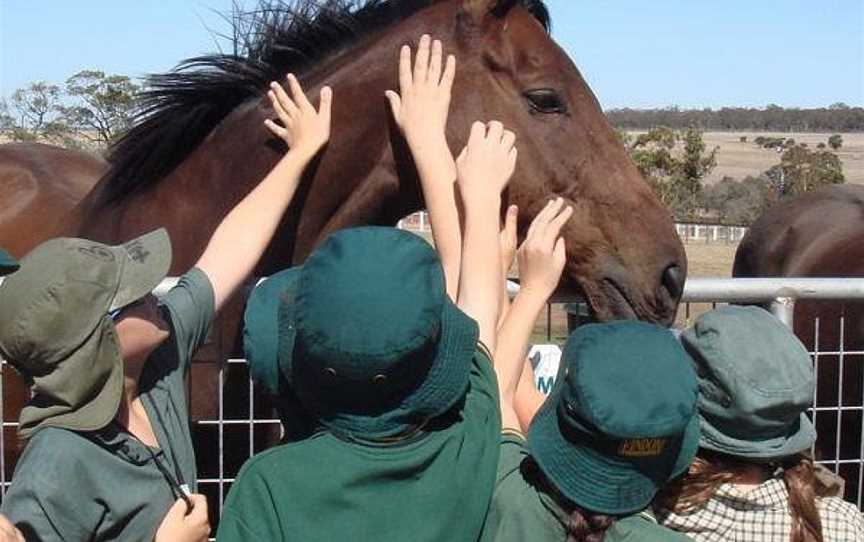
pixel 545 100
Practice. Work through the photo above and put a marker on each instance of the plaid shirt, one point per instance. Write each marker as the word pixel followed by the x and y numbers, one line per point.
pixel 761 514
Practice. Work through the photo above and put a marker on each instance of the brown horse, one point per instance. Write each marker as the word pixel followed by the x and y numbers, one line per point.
pixel 201 146
pixel 821 234
pixel 40 185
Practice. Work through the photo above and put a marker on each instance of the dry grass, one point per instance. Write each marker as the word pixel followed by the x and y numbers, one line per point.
pixel 737 159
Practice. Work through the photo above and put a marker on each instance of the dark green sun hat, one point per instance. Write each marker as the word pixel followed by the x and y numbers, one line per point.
pixel 756 383
pixel 364 334
pixel 8 264
pixel 55 329
pixel 621 419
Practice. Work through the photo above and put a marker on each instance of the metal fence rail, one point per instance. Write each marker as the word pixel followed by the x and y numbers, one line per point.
pixel 246 422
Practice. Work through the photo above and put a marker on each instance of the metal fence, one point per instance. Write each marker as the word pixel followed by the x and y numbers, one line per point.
pixel 245 422
pixel 689 232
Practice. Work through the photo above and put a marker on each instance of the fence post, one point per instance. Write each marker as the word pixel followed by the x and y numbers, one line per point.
pixel 784 309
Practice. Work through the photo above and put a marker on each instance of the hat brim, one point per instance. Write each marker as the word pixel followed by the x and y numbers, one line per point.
pixel 599 481
pixel 801 438
pixel 261 328
pixel 8 264
pixel 147 260
pixel 99 355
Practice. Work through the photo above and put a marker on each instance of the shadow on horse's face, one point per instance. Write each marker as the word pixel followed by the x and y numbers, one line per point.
pixel 623 252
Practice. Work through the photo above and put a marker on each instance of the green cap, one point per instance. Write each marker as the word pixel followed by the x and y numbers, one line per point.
pixel 621 420
pixel 755 381
pixel 8 264
pixel 55 330
pixel 364 334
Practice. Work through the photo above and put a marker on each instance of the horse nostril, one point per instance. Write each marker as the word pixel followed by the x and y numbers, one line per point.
pixel 673 280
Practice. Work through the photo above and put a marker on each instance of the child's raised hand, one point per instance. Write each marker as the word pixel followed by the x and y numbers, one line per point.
pixel 507 239
pixel 420 109
pixel 542 255
pixel 487 162
pixel 303 128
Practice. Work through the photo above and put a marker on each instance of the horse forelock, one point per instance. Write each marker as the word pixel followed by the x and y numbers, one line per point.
pixel 180 108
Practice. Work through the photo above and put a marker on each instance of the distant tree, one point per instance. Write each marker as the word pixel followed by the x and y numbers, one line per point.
pixel 773 118
pixel 743 139
pixel 820 146
pixel 675 164
pixel 6 120
pixel 35 114
pixel 789 143
pixel 737 202
pixel 102 105
pixel 801 170
pixel 835 141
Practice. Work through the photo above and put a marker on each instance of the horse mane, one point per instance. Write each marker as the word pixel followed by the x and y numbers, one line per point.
pixel 181 107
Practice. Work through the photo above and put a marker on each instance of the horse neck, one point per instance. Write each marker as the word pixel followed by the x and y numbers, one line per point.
pixel 363 177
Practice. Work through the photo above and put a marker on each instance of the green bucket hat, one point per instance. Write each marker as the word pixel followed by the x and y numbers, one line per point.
pixel 8 264
pixel 621 419
pixel 55 329
pixel 363 333
pixel 755 381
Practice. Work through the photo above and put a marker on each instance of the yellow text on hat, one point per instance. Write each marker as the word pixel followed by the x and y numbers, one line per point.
pixel 642 447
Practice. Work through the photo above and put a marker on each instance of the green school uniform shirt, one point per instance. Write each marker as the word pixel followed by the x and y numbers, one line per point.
pixel 520 511
pixel 105 485
pixel 433 487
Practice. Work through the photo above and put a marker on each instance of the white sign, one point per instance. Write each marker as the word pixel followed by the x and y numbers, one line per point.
pixel 545 359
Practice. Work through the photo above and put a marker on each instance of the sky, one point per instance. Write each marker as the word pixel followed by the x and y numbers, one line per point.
pixel 689 53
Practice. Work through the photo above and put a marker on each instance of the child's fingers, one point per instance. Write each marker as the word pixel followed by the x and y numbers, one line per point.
pixel 284 100
pixel 545 216
pixel 421 62
pixel 462 155
pixel 560 252
pixel 449 73
pixel 282 104
pixel 553 231
pixel 508 139
pixel 395 103
pixel 298 95
pixel 325 104
pixel 434 75
pixel 478 133
pixel 532 228
pixel 510 222
pixel 496 130
pixel 405 78
pixel 277 108
pixel 277 130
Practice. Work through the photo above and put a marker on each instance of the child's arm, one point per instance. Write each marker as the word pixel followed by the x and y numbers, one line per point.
pixel 240 240
pixel 528 398
pixel 508 254
pixel 541 262
pixel 483 170
pixel 420 111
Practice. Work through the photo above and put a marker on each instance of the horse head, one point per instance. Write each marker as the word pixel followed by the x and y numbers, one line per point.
pixel 623 252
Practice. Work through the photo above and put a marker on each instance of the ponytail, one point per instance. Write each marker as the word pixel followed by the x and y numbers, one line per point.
pixel 582 525
pixel 803 488
pixel 585 526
